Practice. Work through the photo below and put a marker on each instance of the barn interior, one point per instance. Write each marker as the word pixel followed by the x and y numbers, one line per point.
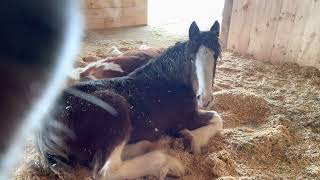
pixel 266 88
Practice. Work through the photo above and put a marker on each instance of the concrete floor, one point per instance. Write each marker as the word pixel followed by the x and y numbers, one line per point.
pixel 154 36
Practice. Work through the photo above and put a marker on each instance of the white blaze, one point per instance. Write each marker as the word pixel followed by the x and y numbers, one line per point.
pixel 204 71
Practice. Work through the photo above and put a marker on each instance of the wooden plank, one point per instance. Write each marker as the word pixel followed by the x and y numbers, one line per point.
pixel 301 17
pixel 226 19
pixel 257 28
pixel 133 11
pixel 129 21
pixel 234 24
pixel 128 3
pixel 104 13
pixel 95 23
pixel 247 8
pixel 100 4
pixel 284 29
pixel 87 3
pixel 264 28
pixel 311 39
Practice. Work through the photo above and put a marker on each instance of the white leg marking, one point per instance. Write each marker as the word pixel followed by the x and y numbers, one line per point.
pixel 132 150
pixel 155 163
pixel 201 136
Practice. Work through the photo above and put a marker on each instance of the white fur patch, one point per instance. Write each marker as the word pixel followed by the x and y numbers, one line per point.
pixel 114 161
pixel 202 135
pixel 111 66
pixel 155 163
pixel 143 46
pixel 115 51
pixel 75 73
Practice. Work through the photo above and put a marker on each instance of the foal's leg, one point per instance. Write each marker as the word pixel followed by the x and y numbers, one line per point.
pixel 136 149
pixel 200 137
pixel 155 163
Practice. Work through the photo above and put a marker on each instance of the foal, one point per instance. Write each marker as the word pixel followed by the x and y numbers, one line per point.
pixel 116 66
pixel 157 99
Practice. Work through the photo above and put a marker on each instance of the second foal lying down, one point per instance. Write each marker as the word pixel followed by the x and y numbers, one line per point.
pixel 116 66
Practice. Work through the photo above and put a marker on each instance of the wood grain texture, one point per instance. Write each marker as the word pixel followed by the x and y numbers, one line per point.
pixel 301 17
pixel 247 9
pixel 240 28
pixel 310 53
pixel 105 14
pixel 234 24
pixel 284 29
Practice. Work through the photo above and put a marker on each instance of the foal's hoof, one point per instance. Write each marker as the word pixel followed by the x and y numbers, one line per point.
pixel 172 168
pixel 194 148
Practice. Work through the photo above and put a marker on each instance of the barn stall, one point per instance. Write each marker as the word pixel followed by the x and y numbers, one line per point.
pixel 266 87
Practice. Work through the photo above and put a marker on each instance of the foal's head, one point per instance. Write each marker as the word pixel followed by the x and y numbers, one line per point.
pixel 204 49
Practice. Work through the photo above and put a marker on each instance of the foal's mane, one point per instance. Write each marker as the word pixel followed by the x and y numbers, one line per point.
pixel 174 64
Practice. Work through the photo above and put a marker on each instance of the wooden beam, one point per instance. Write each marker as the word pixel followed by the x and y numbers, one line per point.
pixel 301 17
pixel 284 29
pixel 264 28
pixel 240 27
pixel 227 10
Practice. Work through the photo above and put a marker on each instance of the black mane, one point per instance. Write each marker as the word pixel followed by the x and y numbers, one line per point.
pixel 172 66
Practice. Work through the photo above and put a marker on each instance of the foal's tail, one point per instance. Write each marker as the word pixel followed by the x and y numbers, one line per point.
pixel 51 144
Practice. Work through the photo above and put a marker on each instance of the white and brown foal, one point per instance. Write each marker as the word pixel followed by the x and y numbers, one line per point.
pixel 113 67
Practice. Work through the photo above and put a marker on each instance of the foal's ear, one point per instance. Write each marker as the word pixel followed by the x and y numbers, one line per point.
pixel 194 31
pixel 215 28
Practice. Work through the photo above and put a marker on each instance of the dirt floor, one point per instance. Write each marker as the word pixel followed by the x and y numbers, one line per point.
pixel 271 116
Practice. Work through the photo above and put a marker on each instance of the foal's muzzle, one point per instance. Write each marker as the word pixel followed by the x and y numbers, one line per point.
pixel 204 100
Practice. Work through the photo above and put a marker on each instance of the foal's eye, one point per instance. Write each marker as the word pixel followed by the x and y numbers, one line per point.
pixel 198 97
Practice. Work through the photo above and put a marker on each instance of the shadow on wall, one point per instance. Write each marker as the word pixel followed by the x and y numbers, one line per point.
pixel 165 12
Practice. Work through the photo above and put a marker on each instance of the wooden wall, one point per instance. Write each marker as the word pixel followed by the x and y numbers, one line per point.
pixel 274 30
pixel 104 14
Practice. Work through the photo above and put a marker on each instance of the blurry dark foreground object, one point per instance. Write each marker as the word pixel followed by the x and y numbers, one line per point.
pixel 39 40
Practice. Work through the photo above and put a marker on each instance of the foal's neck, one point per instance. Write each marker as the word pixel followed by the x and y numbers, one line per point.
pixel 172 66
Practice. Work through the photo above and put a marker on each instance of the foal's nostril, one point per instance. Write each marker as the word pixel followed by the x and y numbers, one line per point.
pixel 198 97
